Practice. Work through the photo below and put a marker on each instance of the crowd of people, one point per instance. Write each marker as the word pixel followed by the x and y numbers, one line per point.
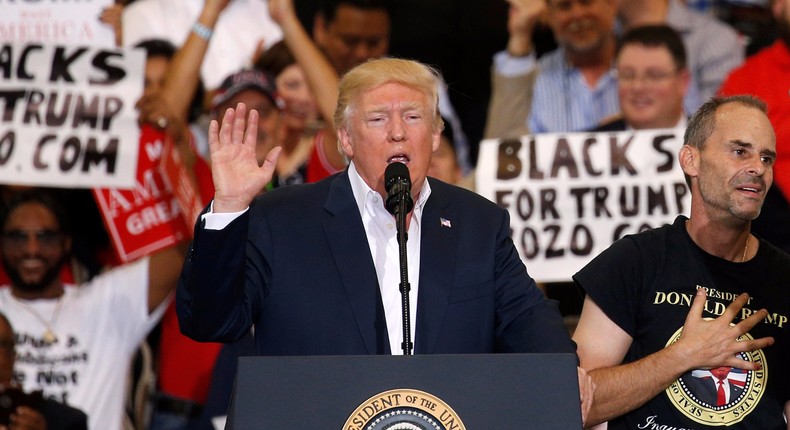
pixel 286 115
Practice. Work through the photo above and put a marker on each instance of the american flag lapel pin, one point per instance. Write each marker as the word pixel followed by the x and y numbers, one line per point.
pixel 445 223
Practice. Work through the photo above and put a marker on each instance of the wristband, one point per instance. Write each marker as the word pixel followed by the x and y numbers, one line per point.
pixel 202 31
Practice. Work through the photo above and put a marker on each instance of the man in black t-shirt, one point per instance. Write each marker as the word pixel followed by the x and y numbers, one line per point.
pixel 666 306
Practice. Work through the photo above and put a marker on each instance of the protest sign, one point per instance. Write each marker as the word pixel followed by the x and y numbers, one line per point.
pixel 572 195
pixel 67 116
pixel 55 22
pixel 147 217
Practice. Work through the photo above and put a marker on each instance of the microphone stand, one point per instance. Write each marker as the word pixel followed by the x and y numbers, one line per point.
pixel 404 286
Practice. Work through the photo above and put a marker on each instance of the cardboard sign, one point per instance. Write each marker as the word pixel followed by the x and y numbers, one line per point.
pixel 55 22
pixel 148 217
pixel 572 195
pixel 67 116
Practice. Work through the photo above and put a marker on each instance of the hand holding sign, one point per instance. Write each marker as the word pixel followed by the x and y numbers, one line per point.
pixel 237 176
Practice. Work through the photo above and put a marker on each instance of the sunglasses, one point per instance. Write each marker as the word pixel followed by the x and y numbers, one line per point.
pixel 44 238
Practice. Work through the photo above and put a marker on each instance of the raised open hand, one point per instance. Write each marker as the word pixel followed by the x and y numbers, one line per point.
pixel 524 14
pixel 237 176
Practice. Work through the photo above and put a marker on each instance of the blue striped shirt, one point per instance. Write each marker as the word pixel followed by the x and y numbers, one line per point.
pixel 563 101
pixel 713 49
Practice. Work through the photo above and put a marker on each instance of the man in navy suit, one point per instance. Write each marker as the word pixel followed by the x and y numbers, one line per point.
pixel 318 273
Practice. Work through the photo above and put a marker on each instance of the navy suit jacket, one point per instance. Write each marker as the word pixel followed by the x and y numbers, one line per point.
pixel 307 281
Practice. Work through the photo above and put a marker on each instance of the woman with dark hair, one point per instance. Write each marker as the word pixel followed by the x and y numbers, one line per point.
pixel 309 152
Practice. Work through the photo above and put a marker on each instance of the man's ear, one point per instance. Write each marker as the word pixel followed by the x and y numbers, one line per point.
pixel 344 140
pixel 689 160
pixel 436 139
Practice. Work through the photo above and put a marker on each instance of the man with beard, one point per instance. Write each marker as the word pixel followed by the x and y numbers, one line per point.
pixel 699 294
pixel 766 74
pixel 76 342
pixel 575 86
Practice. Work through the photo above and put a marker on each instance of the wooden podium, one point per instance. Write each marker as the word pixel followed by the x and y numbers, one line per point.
pixel 438 392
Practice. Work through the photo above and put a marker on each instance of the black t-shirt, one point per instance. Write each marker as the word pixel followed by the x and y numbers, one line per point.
pixel 645 284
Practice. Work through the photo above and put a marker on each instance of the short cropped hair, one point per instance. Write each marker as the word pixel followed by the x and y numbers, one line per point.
pixel 376 72
pixel 328 8
pixel 654 36
pixel 41 197
pixel 700 125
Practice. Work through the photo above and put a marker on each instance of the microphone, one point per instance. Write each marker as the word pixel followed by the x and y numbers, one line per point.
pixel 398 185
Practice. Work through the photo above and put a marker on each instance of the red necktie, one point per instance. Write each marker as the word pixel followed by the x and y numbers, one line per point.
pixel 720 399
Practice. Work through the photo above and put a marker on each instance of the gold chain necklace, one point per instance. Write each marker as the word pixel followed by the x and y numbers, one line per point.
pixel 49 336
pixel 745 247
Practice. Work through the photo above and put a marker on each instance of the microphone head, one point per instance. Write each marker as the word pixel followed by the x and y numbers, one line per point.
pixel 397 182
pixel 396 173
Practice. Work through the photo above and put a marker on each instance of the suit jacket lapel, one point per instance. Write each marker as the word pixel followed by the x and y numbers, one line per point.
pixel 437 267
pixel 349 245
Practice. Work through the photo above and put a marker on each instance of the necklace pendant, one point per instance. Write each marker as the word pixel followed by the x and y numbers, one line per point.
pixel 49 337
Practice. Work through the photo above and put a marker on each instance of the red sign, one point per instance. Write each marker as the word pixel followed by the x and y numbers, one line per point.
pixel 148 217
pixel 177 178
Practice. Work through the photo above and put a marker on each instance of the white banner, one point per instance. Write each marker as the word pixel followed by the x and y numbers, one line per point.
pixel 67 116
pixel 571 195
pixel 55 22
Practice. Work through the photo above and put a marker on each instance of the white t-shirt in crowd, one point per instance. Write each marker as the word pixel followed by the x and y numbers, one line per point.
pixel 99 326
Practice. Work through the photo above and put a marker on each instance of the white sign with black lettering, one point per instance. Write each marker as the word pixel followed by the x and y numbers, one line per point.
pixel 67 116
pixel 572 195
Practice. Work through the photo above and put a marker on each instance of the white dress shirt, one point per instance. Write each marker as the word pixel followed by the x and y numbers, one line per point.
pixel 382 238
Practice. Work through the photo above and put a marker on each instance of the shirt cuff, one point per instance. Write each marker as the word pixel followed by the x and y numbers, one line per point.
pixel 218 221
pixel 509 66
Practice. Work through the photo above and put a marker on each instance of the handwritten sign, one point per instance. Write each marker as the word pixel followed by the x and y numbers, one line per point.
pixel 570 196
pixel 67 116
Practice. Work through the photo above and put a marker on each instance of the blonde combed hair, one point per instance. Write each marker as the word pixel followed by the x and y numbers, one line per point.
pixel 377 72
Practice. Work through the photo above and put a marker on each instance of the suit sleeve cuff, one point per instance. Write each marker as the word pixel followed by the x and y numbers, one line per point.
pixel 218 221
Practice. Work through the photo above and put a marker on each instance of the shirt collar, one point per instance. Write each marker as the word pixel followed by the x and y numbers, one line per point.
pixel 362 192
pixel 681 123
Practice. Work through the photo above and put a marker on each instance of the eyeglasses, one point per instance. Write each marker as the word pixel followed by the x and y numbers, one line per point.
pixel 19 238
pixel 651 77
